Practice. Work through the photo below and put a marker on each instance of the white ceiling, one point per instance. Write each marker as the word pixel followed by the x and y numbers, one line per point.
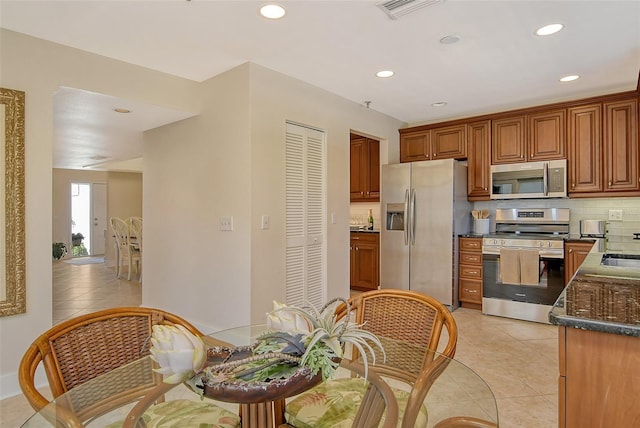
pixel 498 63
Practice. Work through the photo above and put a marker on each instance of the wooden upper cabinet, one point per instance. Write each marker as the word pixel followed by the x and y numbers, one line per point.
pixel 479 160
pixel 508 140
pixel 547 136
pixel 621 146
pixel 584 159
pixel 415 146
pixel 365 169
pixel 529 138
pixel 374 170
pixel 448 142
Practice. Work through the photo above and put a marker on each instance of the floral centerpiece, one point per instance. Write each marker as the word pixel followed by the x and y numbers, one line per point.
pixel 301 347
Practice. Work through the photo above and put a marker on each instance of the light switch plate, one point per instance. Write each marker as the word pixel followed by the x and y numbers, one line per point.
pixel 615 215
pixel 265 222
pixel 225 223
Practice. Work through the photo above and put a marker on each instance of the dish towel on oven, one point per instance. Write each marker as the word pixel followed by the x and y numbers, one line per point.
pixel 529 267
pixel 510 266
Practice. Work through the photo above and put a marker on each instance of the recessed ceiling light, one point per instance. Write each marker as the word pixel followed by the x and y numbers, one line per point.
pixel 449 40
pixel 549 29
pixel 384 73
pixel 272 11
pixel 439 104
pixel 569 78
pixel 122 110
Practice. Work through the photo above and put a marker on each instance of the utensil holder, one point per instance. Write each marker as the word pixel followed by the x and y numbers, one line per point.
pixel 481 226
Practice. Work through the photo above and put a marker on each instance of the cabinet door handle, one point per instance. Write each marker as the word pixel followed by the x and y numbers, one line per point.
pixel 573 186
pixel 571 250
pixel 485 188
pixel 609 183
pixel 470 291
pixel 434 155
pixel 521 156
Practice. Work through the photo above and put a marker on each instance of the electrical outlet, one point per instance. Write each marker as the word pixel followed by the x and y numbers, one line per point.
pixel 615 215
pixel 225 223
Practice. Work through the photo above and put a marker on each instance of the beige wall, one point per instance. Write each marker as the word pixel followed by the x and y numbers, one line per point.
pixel 229 161
pixel 39 68
pixel 196 171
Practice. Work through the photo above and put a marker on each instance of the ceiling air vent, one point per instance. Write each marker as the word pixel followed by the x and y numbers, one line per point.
pixel 398 8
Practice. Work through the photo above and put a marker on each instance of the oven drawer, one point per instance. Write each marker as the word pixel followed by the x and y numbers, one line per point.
pixel 467 258
pixel 471 272
pixel 470 291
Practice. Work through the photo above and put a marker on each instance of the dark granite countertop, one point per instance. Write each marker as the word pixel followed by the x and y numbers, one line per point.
pixel 365 231
pixel 471 235
pixel 578 238
pixel 601 298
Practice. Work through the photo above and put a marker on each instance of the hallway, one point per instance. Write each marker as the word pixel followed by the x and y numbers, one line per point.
pixel 80 289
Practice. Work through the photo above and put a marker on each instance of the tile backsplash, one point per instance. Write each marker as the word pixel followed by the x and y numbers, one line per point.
pixel 619 232
pixel 359 213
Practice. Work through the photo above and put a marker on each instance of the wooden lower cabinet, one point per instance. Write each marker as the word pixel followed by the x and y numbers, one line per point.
pixel 574 255
pixel 470 272
pixel 599 381
pixel 365 261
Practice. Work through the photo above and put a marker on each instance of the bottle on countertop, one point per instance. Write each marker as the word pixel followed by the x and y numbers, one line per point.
pixel 370 219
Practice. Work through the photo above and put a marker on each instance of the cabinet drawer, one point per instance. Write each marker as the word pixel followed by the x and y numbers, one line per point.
pixel 471 272
pixel 470 258
pixel 369 237
pixel 470 291
pixel 471 244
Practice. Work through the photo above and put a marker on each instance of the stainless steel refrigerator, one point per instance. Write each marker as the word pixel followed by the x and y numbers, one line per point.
pixel 424 209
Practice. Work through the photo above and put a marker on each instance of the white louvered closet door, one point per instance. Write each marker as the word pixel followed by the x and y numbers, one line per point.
pixel 305 216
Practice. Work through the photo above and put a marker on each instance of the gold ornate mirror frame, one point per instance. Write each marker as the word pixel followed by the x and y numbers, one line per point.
pixel 12 256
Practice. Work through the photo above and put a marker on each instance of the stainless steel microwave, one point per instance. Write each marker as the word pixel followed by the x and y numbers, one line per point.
pixel 546 179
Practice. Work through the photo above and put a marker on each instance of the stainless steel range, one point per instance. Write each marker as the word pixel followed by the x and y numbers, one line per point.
pixel 523 262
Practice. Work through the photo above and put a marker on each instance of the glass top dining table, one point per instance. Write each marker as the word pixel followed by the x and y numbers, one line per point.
pixel 457 396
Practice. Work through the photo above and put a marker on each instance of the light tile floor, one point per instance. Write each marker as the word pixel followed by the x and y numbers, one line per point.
pixel 517 359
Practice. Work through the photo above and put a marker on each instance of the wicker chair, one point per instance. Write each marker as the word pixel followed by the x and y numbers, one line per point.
pixel 409 325
pixel 88 346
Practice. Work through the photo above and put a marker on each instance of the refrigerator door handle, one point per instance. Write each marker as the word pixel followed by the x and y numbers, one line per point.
pixel 413 217
pixel 545 179
pixel 406 215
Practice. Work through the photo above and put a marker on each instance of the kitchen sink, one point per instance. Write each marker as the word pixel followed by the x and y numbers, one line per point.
pixel 621 260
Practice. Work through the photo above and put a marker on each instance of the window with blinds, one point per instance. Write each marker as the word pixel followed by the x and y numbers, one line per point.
pixel 305 151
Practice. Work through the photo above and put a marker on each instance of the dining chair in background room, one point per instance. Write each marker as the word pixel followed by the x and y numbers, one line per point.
pixel 409 325
pixel 124 251
pixel 135 241
pixel 83 348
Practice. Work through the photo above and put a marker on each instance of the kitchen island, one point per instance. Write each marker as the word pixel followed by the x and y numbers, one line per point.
pixel 598 315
